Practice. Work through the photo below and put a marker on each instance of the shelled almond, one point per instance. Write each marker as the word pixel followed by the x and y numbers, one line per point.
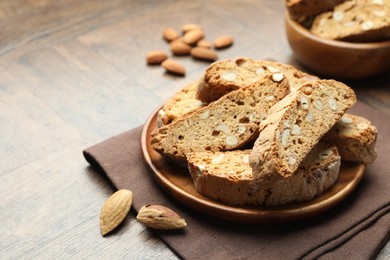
pixel 193 36
pixel 160 217
pixel 156 57
pixel 204 54
pixel 173 67
pixel 204 44
pixel 190 26
pixel 170 34
pixel 115 210
pixel 178 47
pixel 223 42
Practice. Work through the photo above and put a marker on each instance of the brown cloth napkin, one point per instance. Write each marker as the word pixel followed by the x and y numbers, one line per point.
pixel 355 229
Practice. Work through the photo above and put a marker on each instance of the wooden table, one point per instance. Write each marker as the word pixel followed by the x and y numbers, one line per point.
pixel 73 73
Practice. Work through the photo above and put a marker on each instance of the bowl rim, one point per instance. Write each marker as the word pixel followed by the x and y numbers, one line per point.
pixel 302 30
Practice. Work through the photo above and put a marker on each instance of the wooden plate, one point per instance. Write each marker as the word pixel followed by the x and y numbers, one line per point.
pixel 177 182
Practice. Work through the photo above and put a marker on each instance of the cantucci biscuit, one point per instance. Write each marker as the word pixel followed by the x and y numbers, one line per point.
pixel 182 103
pixel 228 177
pixel 225 76
pixel 355 138
pixel 301 10
pixel 296 124
pixel 226 124
pixel 355 21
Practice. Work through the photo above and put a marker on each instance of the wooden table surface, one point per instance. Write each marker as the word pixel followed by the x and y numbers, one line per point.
pixel 73 73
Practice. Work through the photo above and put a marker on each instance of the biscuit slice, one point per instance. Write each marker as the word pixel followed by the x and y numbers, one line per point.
pixel 228 177
pixel 355 21
pixel 296 124
pixel 355 138
pixel 301 10
pixel 182 103
pixel 225 76
pixel 227 124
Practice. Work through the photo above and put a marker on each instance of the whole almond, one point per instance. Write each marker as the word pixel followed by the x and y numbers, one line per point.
pixel 156 57
pixel 193 36
pixel 179 48
pixel 174 67
pixel 190 26
pixel 170 34
pixel 223 42
pixel 160 217
pixel 204 44
pixel 114 210
pixel 204 54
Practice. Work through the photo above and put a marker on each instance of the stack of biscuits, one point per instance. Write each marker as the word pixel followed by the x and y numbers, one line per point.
pixel 254 132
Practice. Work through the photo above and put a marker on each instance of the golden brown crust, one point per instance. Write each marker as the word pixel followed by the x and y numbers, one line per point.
pixel 228 177
pixel 227 124
pixel 296 124
pixel 182 103
pixel 355 21
pixel 355 138
pixel 225 76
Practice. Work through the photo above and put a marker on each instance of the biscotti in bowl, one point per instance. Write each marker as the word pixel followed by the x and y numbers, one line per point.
pixel 350 40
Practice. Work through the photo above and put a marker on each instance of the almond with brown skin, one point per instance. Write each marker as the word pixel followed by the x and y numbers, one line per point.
pixel 114 210
pixel 156 57
pixel 179 48
pixel 204 54
pixel 170 34
pixel 223 42
pixel 193 36
pixel 204 44
pixel 190 26
pixel 160 217
pixel 173 67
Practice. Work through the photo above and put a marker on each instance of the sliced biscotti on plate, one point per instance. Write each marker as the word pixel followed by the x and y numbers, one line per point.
pixel 182 103
pixel 226 124
pixel 228 177
pixel 355 138
pixel 296 124
pixel 355 21
pixel 225 76
pixel 301 10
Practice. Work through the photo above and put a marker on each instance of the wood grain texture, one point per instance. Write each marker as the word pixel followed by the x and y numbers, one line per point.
pixel 73 73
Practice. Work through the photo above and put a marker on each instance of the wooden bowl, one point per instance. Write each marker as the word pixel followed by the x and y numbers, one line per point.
pixel 337 59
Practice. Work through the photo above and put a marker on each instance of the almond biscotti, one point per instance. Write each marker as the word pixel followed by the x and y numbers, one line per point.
pixel 296 124
pixel 182 103
pixel 355 138
pixel 228 177
pixel 225 76
pixel 355 21
pixel 300 10
pixel 227 124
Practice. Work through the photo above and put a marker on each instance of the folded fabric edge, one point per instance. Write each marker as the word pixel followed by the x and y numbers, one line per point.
pixel 345 236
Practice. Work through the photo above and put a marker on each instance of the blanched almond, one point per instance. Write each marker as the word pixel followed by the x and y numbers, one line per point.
pixel 229 75
pixel 277 77
pixel 223 42
pixel 170 34
pixel 231 140
pixel 174 67
pixel 204 54
pixel 156 57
